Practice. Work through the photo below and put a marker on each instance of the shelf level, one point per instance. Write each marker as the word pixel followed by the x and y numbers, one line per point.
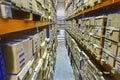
pixel 101 5
pixel 105 66
pixel 11 25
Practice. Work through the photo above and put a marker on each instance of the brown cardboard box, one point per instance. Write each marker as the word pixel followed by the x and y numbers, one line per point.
pixel 113 34
pixel 100 21
pixel 110 47
pixel 113 20
pixel 15 58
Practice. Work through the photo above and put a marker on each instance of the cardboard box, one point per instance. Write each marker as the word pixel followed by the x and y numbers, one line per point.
pixel 36 43
pixel 97 50
pixel 42 49
pixel 90 46
pixel 113 20
pixel 15 58
pixel 16 2
pixel 107 58
pixel 104 56
pixel 5 11
pixel 87 22
pixel 91 38
pixel 94 2
pixel 92 21
pixel 25 4
pixel 112 34
pixel 110 61
pixel 98 31
pixel 117 66
pixel 118 53
pixel 98 41
pixel 91 30
pixel 100 21
pixel 27 45
pixel 110 47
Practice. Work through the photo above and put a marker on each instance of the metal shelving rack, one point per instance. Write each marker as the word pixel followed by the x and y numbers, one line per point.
pixel 97 9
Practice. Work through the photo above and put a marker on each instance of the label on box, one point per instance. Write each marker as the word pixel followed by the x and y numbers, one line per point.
pixel 104 57
pixel 81 58
pixel 107 35
pixel 118 67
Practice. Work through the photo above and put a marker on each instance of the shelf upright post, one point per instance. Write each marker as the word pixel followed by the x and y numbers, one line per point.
pixel 2 65
pixel 48 32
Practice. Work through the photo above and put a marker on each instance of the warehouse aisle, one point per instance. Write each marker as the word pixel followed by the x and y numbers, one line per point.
pixel 63 69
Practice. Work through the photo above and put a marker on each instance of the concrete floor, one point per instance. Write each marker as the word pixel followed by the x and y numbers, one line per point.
pixel 63 69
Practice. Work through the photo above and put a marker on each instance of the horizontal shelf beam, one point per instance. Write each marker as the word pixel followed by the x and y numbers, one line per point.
pixel 11 25
pixel 101 5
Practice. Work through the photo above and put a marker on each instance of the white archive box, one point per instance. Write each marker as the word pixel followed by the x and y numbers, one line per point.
pixel 110 47
pixel 16 2
pixel 112 33
pixel 99 31
pixel 36 42
pixel 98 41
pixel 100 21
pixel 113 20
pixel 14 56
pixel 25 73
pixel 97 50
pixel 25 4
pixel 34 6
pixel 107 58
pixel 118 52
pixel 27 45
pixel 117 66
pixel 5 11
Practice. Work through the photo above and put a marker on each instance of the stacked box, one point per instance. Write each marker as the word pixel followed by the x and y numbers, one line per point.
pixel 5 11
pixel 36 43
pixel 16 2
pixel 27 45
pixel 113 28
pixel 90 71
pixel 25 4
pixel 94 2
pixel 25 73
pixel 14 56
pixel 111 47
pixel 112 34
